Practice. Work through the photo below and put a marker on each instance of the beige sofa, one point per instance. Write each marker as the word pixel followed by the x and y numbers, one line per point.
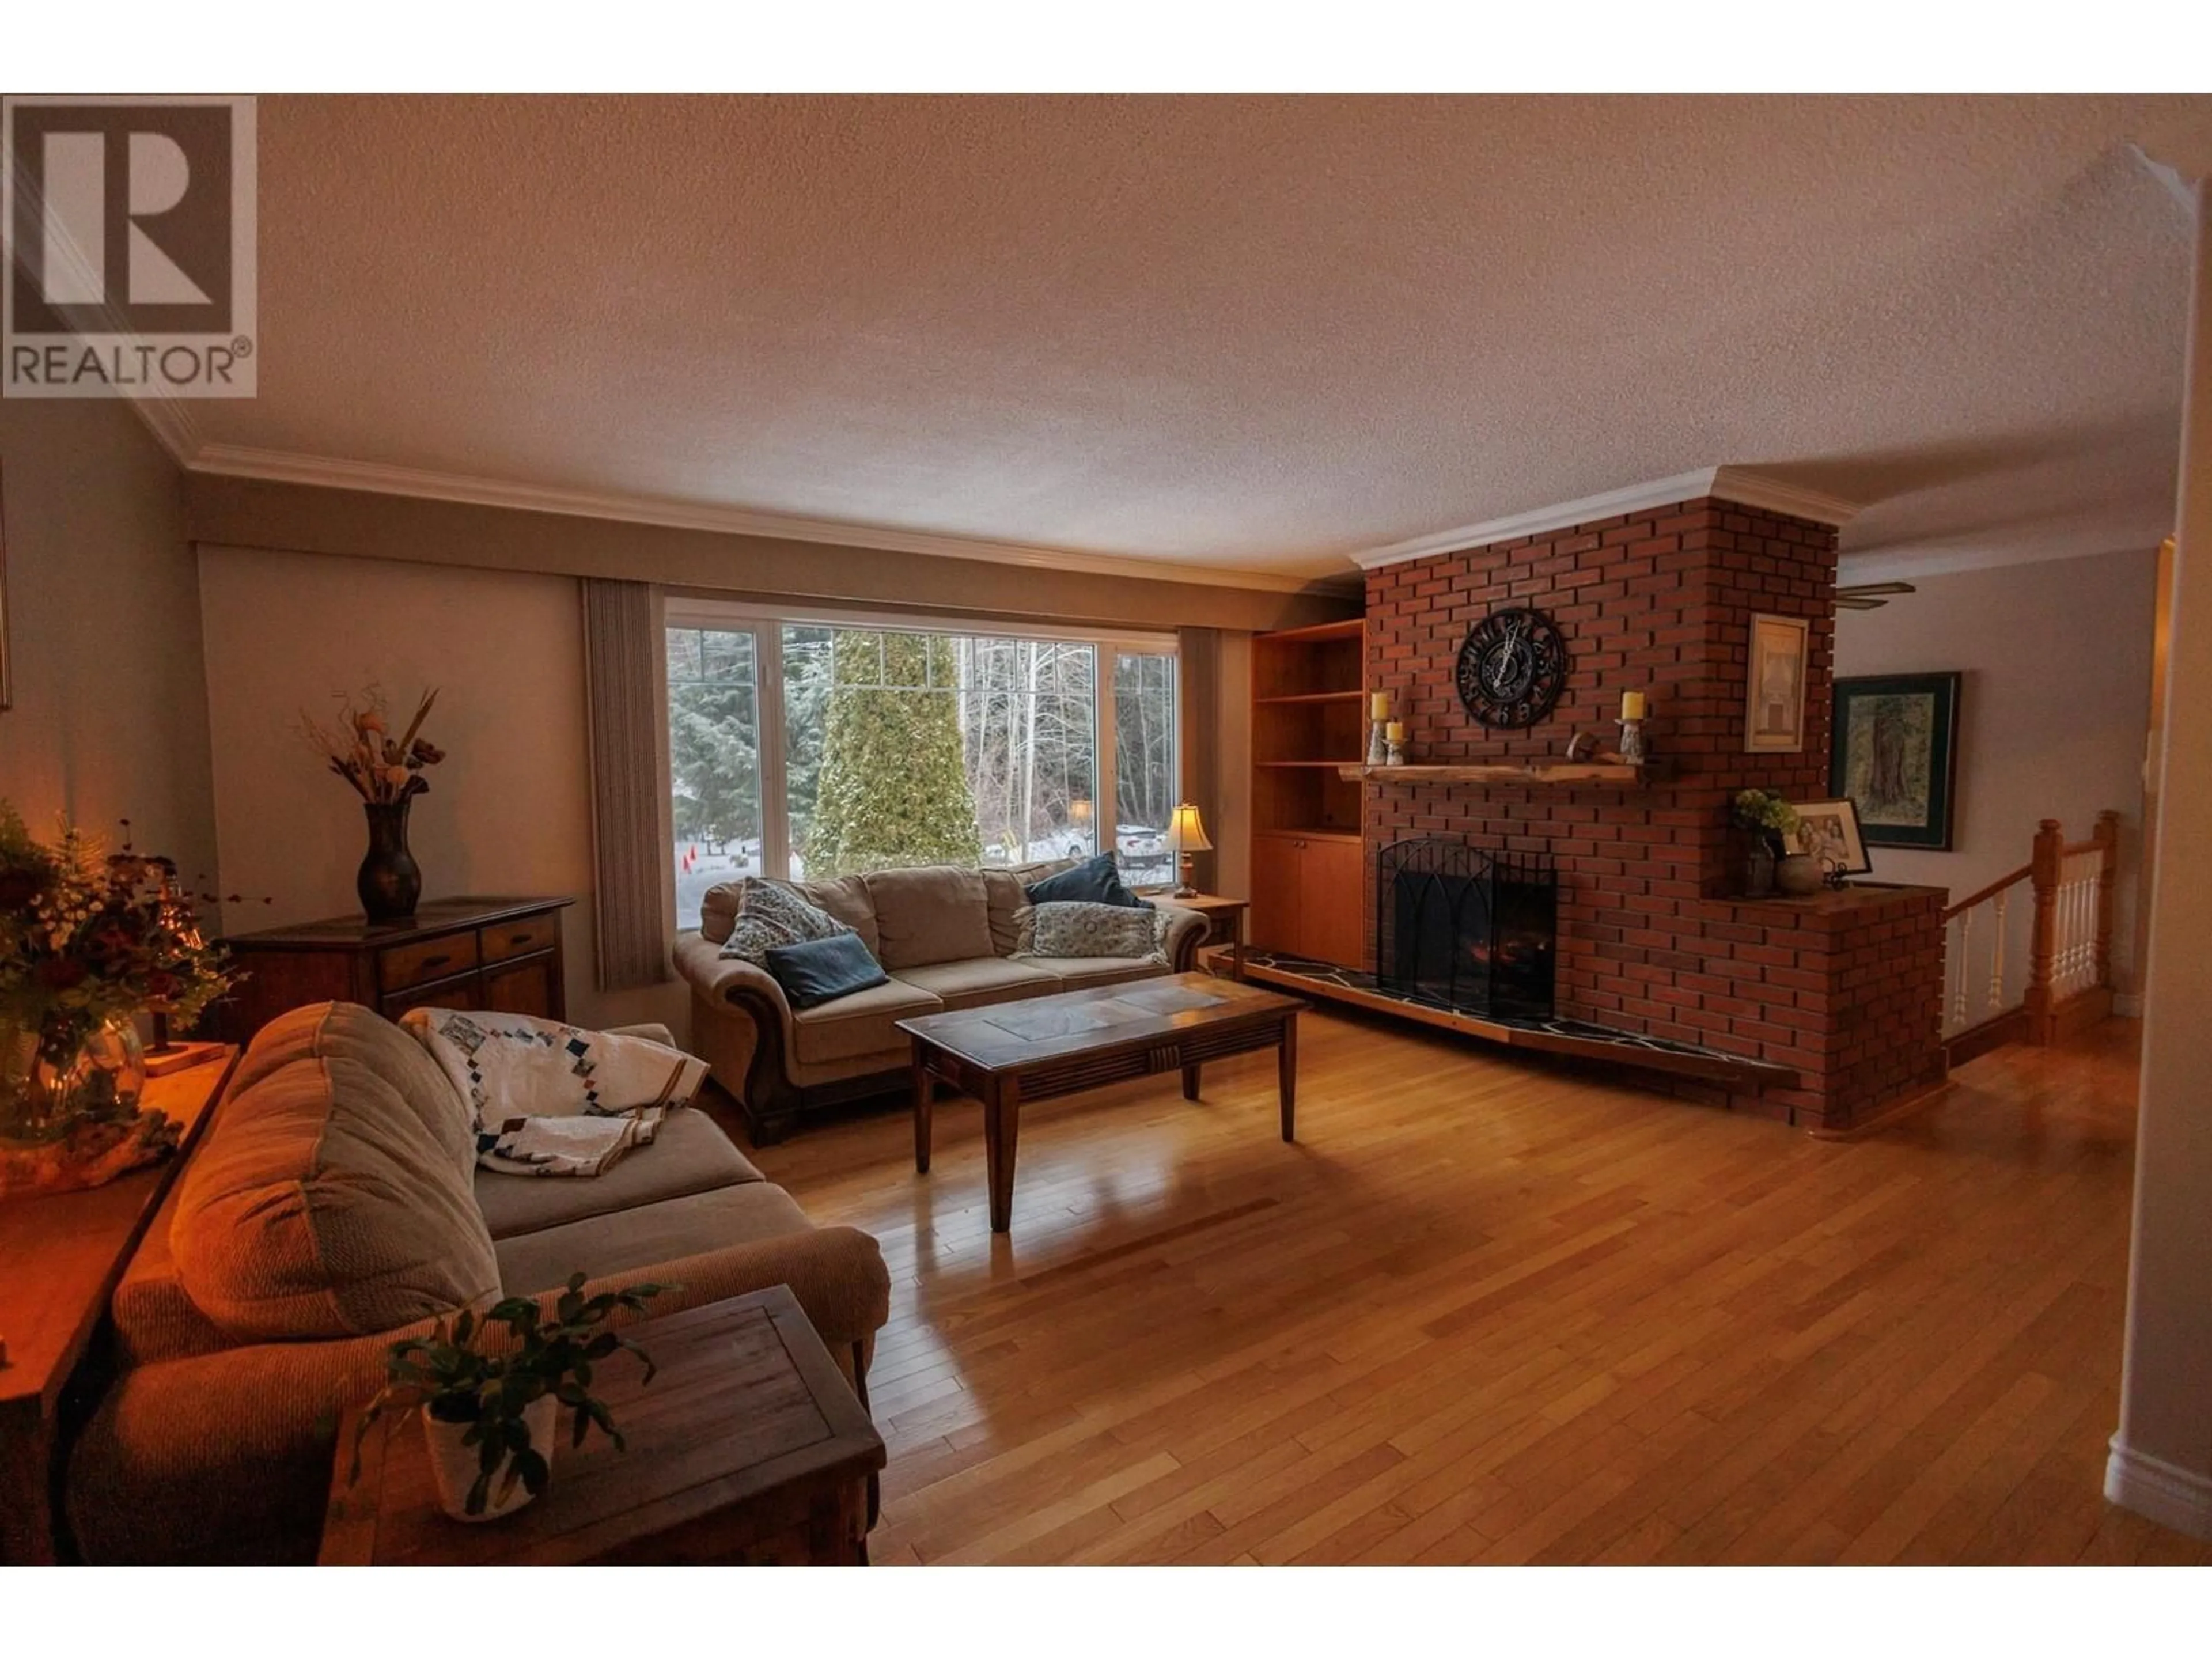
pixel 945 936
pixel 334 1207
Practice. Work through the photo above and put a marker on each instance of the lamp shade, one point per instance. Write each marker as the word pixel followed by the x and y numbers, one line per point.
pixel 1187 833
pixel 1079 812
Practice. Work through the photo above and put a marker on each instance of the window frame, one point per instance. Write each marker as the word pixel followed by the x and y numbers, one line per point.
pixel 766 622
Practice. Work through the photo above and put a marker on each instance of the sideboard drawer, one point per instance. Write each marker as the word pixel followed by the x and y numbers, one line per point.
pixel 400 966
pixel 519 938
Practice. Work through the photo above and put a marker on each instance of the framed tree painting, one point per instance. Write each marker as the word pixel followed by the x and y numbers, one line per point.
pixel 1895 754
pixel 1774 685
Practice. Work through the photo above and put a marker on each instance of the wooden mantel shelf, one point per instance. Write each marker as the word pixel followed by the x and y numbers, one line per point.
pixel 1554 775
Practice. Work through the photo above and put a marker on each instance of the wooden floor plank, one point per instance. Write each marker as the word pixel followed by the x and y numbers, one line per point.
pixel 1490 1310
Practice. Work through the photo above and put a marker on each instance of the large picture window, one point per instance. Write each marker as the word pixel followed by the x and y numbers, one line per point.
pixel 807 748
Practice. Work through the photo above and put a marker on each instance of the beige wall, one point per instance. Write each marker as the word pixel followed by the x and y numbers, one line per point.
pixel 110 718
pixel 2054 709
pixel 508 813
pixel 2162 1461
pixel 306 518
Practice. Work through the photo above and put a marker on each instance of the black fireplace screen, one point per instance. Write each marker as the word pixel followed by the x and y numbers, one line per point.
pixel 1467 929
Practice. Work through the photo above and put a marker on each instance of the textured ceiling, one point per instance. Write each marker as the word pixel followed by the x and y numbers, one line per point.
pixel 1255 333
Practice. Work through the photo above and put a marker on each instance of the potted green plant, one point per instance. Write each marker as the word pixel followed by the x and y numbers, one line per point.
pixel 1768 817
pixel 488 1401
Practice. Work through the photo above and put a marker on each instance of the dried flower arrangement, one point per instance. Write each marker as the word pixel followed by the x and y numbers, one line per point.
pixel 361 748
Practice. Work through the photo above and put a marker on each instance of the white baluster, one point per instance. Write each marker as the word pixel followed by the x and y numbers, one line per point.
pixel 1959 998
pixel 1997 957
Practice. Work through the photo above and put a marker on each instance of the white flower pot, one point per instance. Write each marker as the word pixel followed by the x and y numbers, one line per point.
pixel 453 1465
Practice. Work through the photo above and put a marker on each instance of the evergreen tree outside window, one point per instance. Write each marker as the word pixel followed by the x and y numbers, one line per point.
pixel 887 747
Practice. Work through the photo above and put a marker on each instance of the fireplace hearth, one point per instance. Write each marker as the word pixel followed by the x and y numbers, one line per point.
pixel 1467 930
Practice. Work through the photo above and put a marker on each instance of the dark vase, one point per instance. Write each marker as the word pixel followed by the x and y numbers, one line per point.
pixel 389 881
pixel 1758 869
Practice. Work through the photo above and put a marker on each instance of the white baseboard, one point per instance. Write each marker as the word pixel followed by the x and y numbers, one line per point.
pixel 2167 1492
pixel 2128 1007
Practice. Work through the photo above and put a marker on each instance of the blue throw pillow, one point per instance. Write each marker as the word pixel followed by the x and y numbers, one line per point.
pixel 819 970
pixel 1094 881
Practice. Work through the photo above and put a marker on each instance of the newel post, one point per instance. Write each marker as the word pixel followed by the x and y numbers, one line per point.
pixel 2048 867
pixel 2108 839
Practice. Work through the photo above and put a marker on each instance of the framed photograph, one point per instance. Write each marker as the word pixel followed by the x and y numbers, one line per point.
pixel 1895 753
pixel 1828 831
pixel 1774 687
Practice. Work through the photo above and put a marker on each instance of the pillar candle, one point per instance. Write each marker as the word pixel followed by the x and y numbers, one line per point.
pixel 1378 706
pixel 1631 705
pixel 1395 731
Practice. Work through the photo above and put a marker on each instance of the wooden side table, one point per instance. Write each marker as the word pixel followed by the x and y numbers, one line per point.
pixel 746 1449
pixel 1227 917
pixel 64 1255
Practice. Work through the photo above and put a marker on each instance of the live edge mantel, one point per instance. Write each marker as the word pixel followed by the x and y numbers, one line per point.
pixel 1571 774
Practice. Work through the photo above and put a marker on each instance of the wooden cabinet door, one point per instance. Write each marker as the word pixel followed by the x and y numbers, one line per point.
pixel 525 988
pixel 1332 902
pixel 445 994
pixel 1275 886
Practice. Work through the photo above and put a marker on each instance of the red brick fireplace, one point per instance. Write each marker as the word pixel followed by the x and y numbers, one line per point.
pixel 1846 988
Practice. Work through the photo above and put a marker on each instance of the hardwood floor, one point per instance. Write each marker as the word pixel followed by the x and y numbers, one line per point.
pixel 1498 1310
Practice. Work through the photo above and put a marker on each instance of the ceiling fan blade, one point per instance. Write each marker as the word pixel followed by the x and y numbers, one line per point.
pixel 1866 590
pixel 1851 603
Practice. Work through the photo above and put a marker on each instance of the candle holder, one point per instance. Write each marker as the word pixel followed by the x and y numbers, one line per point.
pixel 1378 745
pixel 1396 751
pixel 1632 742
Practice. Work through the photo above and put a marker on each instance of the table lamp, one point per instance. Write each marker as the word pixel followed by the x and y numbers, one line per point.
pixel 1186 835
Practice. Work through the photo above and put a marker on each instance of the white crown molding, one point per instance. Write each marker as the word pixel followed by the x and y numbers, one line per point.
pixel 1732 483
pixel 2167 1492
pixel 283 466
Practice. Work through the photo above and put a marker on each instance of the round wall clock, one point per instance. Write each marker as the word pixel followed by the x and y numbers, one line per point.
pixel 1512 668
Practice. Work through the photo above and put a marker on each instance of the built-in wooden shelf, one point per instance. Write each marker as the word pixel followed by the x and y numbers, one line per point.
pixel 1353 695
pixel 1573 773
pixel 1342 768
pixel 1304 833
pixel 1352 628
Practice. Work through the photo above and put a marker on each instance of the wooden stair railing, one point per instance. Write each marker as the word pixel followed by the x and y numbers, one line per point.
pixel 2068 967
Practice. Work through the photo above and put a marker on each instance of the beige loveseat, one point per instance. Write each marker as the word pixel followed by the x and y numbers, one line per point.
pixel 947 936
pixel 334 1207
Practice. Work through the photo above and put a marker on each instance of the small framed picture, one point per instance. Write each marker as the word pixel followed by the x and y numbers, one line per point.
pixel 1828 832
pixel 1774 685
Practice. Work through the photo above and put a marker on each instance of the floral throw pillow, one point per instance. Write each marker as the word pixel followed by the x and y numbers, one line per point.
pixel 773 913
pixel 1082 929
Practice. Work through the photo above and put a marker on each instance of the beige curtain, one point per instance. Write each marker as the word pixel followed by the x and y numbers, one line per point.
pixel 1197 655
pixel 625 684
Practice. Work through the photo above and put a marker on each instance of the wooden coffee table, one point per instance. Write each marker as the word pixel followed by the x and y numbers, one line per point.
pixel 1011 1052
pixel 747 1448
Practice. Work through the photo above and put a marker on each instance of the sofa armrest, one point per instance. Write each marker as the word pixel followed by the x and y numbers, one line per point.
pixel 1187 931
pixel 652 1031
pixel 836 1272
pixel 741 1024
pixel 221 1456
pixel 729 979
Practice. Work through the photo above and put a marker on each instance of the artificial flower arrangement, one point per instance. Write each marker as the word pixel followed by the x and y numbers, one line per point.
pixel 87 939
pixel 361 748
pixel 1766 815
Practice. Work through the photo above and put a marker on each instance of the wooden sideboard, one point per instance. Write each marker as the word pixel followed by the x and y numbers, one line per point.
pixel 499 954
